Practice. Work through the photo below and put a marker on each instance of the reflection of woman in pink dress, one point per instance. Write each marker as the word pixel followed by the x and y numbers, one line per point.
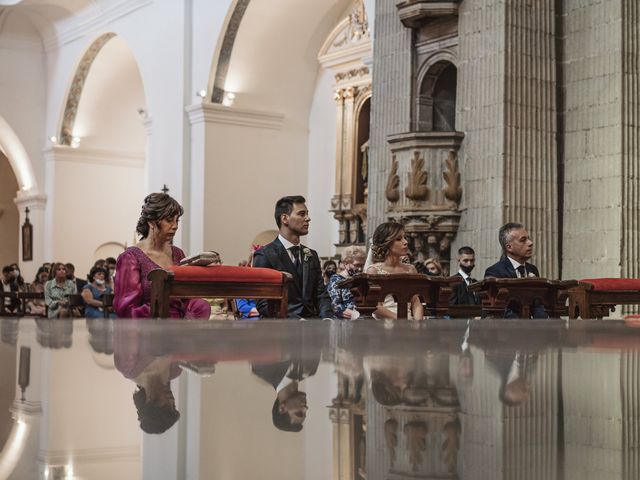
pixel 157 226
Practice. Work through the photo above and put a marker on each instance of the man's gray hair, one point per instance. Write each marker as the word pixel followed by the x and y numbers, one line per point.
pixel 505 232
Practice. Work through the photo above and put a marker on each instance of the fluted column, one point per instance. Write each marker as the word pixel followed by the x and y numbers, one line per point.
pixel 391 101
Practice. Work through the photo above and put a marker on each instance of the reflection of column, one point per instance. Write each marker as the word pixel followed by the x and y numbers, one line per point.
pixel 505 442
pixel 36 204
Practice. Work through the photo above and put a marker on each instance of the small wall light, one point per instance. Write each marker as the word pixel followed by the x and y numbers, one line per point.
pixel 201 93
pixel 53 139
pixel 228 99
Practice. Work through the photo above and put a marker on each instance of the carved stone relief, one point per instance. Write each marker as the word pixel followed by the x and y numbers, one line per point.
pixel 392 192
pixel 416 189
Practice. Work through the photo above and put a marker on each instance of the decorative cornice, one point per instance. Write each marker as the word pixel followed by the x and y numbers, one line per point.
pixel 94 156
pixel 414 13
pixel 214 113
pixel 413 140
pixel 91 21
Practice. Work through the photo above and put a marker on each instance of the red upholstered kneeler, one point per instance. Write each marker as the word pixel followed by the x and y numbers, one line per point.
pixel 597 297
pixel 217 281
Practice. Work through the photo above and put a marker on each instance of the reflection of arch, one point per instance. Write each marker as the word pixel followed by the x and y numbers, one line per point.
pixel 435 109
pixel 226 48
pixel 75 91
pixel 109 249
pixel 18 158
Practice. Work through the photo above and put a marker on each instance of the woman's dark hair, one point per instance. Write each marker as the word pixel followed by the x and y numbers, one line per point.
pixel 157 206
pixel 40 270
pixel 383 390
pixel 154 419
pixel 93 271
pixel 383 237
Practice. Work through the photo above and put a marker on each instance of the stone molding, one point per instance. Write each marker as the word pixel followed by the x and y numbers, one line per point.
pixel 411 140
pixel 91 21
pixel 214 113
pixel 94 156
pixel 90 455
pixel 414 13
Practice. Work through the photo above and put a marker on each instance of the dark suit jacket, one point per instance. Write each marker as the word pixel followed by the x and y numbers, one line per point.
pixel 14 304
pixel 308 297
pixel 273 373
pixel 504 269
pixel 462 296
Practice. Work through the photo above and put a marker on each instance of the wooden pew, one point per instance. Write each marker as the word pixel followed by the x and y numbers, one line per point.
pixel 598 297
pixel 217 281
pixel 369 290
pixel 497 293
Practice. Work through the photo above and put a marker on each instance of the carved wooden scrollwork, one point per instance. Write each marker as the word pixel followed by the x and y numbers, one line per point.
pixel 392 191
pixel 453 189
pixel 391 437
pixel 417 189
pixel 451 444
pixel 416 433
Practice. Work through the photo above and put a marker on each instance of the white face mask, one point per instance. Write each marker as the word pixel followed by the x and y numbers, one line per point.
pixel 99 282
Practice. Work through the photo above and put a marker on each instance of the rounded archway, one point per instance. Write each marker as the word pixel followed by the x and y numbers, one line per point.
pixel 101 156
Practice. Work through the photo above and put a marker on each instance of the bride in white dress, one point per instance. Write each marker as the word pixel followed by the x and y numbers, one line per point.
pixel 388 246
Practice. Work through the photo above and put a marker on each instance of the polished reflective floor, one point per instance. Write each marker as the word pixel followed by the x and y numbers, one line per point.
pixel 456 399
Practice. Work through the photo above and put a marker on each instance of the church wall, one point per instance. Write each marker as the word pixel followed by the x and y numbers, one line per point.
pixel 9 221
pixel 22 87
pixel 247 170
pixel 323 233
pixel 97 200
pixel 593 139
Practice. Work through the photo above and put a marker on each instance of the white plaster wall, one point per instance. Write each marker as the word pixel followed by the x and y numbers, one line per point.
pixel 9 218
pixel 323 233
pixel 22 86
pixel 94 204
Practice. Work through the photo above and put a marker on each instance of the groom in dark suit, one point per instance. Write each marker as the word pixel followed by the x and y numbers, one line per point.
pixel 307 294
pixel 517 249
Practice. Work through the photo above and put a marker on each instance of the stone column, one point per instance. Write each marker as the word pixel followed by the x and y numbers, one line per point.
pixel 506 108
pixel 391 97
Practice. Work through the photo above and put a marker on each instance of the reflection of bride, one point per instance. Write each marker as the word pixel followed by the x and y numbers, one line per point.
pixel 388 246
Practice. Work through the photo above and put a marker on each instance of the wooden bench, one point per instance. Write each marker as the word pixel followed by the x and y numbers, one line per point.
pixel 598 297
pixel 498 293
pixel 369 290
pixel 217 281
pixel 26 297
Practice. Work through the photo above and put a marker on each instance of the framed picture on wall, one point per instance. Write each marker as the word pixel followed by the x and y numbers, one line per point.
pixel 27 241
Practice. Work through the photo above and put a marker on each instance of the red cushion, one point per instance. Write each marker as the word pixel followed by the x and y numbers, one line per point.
pixel 226 273
pixel 613 283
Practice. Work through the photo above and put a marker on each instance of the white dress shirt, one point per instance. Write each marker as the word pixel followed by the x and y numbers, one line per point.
pixel 287 245
pixel 515 267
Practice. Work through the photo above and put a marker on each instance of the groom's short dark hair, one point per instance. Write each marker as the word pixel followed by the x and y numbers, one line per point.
pixel 285 206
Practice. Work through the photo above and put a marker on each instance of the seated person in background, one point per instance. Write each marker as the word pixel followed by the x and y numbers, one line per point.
pixel 329 269
pixel 37 306
pixel 92 294
pixel 461 294
pixel 247 307
pixel 157 225
pixel 22 286
pixel 110 267
pixel 9 285
pixel 517 248
pixel 433 266
pixel 71 275
pixel 352 261
pixel 388 246
pixel 420 268
pixel 57 291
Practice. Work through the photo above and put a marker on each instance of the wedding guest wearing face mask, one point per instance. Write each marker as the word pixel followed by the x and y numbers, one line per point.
pixel 22 287
pixel 461 294
pixel 92 293
pixel 329 269
pixel 342 303
pixel 110 267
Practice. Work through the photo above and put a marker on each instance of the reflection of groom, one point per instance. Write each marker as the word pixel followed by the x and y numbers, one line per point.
pixel 307 294
pixel 290 407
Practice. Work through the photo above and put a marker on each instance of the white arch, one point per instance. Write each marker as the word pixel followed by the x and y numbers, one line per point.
pixel 18 158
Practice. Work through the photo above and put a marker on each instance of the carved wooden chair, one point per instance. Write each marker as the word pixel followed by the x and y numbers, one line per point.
pixel 218 281
pixel 598 297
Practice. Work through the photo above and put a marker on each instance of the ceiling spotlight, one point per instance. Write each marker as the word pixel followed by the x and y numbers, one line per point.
pixel 228 99
pixel 53 139
pixel 201 93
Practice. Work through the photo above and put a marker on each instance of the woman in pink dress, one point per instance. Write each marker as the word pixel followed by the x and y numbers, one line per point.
pixel 157 226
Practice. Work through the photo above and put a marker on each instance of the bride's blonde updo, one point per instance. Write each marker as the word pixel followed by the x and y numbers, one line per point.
pixel 383 237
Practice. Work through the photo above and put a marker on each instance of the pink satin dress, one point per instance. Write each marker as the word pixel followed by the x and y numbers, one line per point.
pixel 132 289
